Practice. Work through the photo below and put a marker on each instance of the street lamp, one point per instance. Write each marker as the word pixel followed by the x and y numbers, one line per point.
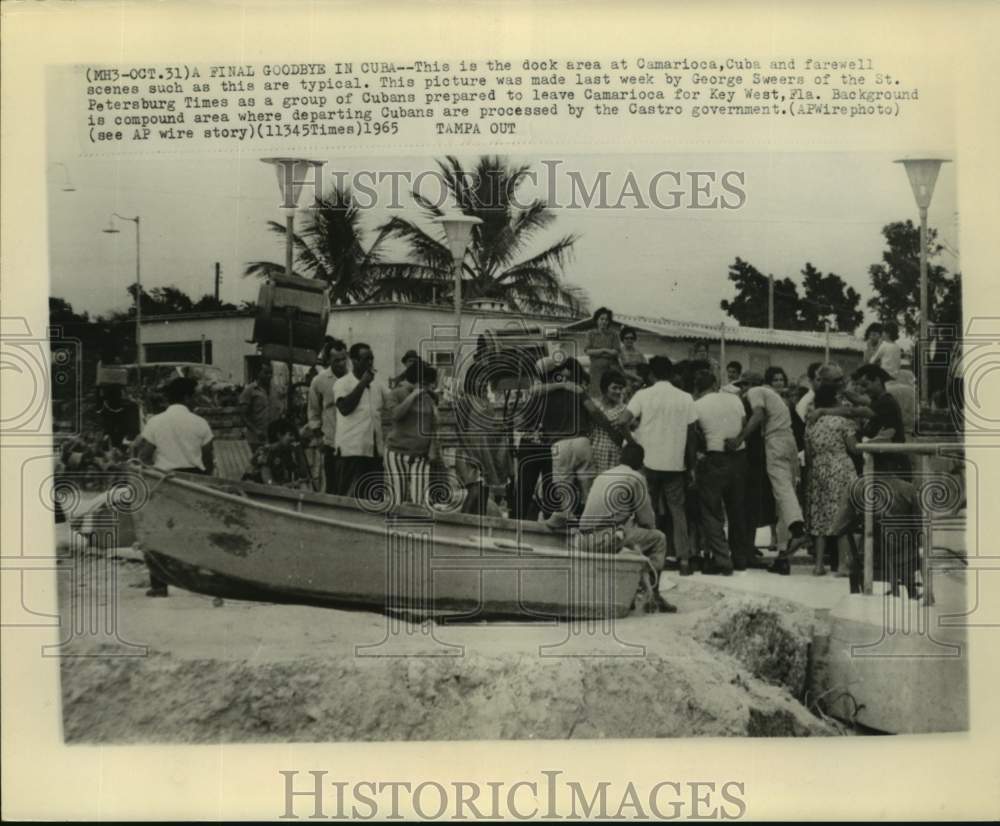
pixel 67 183
pixel 923 173
pixel 458 232
pixel 111 229
pixel 291 174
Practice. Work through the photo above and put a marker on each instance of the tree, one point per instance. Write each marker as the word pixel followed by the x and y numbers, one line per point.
pixel 329 247
pixel 826 295
pixel 171 300
pixel 84 340
pixel 208 303
pixel 499 264
pixel 749 307
pixel 949 307
pixel 61 312
pixel 896 280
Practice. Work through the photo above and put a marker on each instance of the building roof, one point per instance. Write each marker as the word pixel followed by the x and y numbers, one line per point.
pixel 467 307
pixel 693 330
pixel 211 315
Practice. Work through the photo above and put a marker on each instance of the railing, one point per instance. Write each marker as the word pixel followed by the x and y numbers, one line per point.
pixel 923 451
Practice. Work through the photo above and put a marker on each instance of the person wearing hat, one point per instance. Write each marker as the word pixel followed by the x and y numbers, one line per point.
pixel 770 413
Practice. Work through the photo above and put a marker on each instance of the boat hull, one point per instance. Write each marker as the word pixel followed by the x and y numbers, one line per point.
pixel 241 540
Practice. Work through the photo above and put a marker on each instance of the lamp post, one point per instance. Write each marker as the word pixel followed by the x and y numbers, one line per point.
pixel 291 174
pixel 458 232
pixel 111 229
pixel 923 173
pixel 67 185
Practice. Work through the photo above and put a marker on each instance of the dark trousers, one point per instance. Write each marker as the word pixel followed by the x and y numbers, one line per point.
pixel 155 583
pixel 329 469
pixel 533 460
pixel 359 476
pixel 721 481
pixel 667 492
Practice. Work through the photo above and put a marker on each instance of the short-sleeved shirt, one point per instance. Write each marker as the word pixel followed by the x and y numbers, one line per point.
pixel 805 404
pixel 360 433
pixel 778 418
pixel 664 414
pixel 603 340
pixel 257 402
pixel 564 415
pixel 322 406
pixel 412 433
pixel 178 436
pixel 888 416
pixel 720 416
pixel 889 356
pixel 615 497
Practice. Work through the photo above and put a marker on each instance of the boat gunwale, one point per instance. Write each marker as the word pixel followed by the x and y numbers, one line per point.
pixel 193 483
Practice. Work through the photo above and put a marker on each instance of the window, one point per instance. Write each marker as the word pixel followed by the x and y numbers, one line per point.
pixel 442 360
pixel 177 351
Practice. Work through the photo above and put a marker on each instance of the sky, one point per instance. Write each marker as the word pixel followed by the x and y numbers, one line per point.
pixel 822 207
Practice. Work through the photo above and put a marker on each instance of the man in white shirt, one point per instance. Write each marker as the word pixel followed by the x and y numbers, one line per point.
pixel 888 354
pixel 177 439
pixel 359 438
pixel 770 413
pixel 721 477
pixel 173 440
pixel 322 406
pixel 663 420
pixel 805 404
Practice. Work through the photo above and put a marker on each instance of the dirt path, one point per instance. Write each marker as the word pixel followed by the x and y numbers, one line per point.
pixel 725 665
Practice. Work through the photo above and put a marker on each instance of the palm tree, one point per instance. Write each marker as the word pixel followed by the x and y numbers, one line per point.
pixel 493 267
pixel 329 247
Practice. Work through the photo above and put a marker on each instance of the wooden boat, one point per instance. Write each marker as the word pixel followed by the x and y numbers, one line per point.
pixel 244 540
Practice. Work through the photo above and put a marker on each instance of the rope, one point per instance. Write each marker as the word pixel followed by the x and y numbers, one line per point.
pixel 169 474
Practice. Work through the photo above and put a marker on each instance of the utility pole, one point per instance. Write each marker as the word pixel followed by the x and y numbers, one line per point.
pixel 218 280
pixel 770 302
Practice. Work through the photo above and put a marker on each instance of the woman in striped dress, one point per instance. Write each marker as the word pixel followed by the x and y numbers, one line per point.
pixel 414 421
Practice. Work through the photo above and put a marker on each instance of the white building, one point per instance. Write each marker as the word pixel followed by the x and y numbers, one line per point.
pixel 219 338
pixel 755 348
pixel 391 329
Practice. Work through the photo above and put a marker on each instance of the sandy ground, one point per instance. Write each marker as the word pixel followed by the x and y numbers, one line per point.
pixel 192 669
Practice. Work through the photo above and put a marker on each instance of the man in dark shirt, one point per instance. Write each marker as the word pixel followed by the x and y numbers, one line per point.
pixel 567 414
pixel 119 416
pixel 255 407
pixel 886 422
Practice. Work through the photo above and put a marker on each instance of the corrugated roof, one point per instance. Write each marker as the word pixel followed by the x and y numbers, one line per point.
pixel 671 328
pixel 206 316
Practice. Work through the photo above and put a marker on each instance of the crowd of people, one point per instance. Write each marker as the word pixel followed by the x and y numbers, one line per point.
pixel 653 451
